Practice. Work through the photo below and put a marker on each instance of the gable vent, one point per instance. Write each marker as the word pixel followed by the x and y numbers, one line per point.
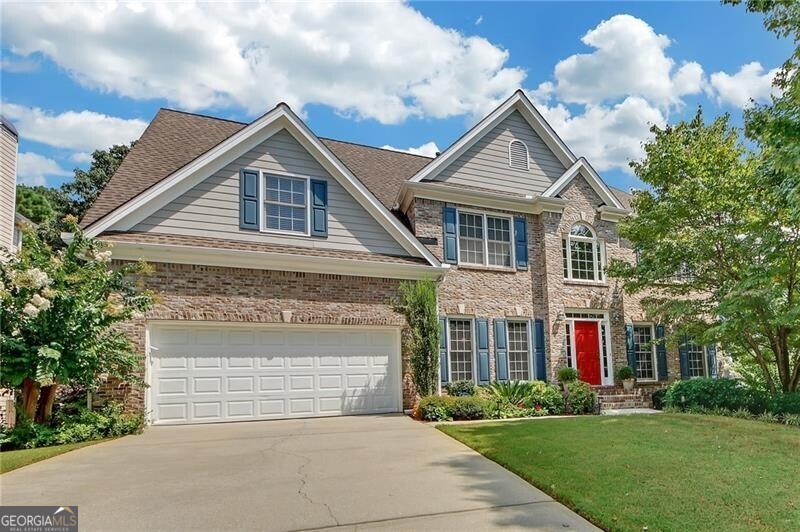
pixel 518 155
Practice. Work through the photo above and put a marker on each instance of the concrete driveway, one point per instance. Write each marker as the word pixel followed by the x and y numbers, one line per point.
pixel 366 472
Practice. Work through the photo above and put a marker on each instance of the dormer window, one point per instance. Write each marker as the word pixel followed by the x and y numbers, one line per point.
pixel 518 155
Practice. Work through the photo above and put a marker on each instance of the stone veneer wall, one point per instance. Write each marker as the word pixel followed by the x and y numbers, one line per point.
pixel 209 293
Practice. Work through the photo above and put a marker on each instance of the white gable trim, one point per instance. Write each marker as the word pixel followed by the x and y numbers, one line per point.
pixel 148 202
pixel 582 167
pixel 517 102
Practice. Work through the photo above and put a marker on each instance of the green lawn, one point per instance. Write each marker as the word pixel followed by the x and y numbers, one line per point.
pixel 10 460
pixel 664 472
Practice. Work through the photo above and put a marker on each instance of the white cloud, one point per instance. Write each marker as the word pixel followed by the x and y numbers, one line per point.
pixel 16 66
pixel 380 60
pixel 32 169
pixel 429 149
pixel 608 136
pixel 629 60
pixel 750 83
pixel 479 20
pixel 85 131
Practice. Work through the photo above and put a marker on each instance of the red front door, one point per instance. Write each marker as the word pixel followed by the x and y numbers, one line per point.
pixel 587 351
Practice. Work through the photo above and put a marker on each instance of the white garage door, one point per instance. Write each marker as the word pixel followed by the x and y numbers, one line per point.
pixel 213 373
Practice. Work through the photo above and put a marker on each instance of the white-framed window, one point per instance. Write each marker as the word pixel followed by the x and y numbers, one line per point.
pixel 485 239
pixel 460 349
pixel 695 359
pixel 285 202
pixel 518 157
pixel 583 254
pixel 645 351
pixel 519 359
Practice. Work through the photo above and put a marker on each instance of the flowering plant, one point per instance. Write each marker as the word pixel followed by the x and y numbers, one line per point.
pixel 58 311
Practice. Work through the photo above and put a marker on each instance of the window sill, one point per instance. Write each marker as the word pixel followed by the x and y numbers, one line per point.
pixel 578 282
pixel 481 267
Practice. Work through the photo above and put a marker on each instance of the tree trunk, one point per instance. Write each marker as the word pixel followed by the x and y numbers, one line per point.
pixel 46 400
pixel 30 397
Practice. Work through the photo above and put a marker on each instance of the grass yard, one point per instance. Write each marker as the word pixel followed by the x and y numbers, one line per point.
pixel 10 460
pixel 677 472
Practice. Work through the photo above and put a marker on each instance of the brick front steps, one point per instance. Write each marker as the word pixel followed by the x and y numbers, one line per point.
pixel 615 398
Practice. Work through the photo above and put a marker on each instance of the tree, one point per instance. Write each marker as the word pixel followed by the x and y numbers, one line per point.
pixel 78 195
pixel 713 212
pixel 58 311
pixel 417 302
pixel 35 204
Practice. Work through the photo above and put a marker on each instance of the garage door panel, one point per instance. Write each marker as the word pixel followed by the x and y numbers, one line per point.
pixel 221 373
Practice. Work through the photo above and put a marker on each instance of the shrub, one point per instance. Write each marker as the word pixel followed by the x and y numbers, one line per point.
pixel 515 392
pixel 435 408
pixel 785 403
pixel 460 388
pixel 73 424
pixel 498 408
pixel 625 373
pixel 544 399
pixel 658 398
pixel 792 419
pixel 715 393
pixel 417 302
pixel 438 408
pixel 768 417
pixel 742 413
pixel 469 408
pixel 567 374
pixel 579 398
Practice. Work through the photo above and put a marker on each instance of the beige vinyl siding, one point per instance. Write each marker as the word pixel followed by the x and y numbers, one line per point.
pixel 8 183
pixel 485 164
pixel 211 208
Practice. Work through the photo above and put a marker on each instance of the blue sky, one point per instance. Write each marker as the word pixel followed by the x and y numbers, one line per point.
pixel 410 76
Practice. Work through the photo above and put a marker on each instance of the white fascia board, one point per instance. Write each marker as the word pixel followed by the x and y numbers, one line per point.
pixel 519 102
pixel 612 214
pixel 260 260
pixel 477 198
pixel 582 167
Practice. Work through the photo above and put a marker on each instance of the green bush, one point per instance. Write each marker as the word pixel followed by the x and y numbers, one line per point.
pixel 579 398
pixel 785 403
pixel 435 408
pixel 625 373
pixel 768 417
pixel 498 408
pixel 792 419
pixel 567 374
pixel 658 398
pixel 73 424
pixel 515 392
pixel 543 399
pixel 710 394
pixel 460 388
pixel 469 408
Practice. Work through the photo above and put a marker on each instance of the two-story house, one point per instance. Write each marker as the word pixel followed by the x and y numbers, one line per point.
pixel 278 255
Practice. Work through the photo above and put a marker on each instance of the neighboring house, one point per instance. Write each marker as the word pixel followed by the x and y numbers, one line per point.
pixel 278 255
pixel 9 140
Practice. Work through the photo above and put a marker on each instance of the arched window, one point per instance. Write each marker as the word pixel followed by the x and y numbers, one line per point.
pixel 583 254
pixel 518 155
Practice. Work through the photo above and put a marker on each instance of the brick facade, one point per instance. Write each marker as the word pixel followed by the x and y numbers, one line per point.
pixel 207 293
pixel 540 291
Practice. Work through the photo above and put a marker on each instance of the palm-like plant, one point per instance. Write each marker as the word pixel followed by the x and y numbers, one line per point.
pixel 515 392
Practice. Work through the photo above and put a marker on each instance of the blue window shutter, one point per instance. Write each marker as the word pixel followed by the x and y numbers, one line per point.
pixel 449 228
pixel 501 349
pixel 483 349
pixel 248 199
pixel 711 356
pixel 538 350
pixel 661 353
pixel 521 242
pixel 443 349
pixel 630 347
pixel 683 355
pixel 319 208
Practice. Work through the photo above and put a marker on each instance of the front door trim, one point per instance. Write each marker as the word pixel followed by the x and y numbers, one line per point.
pixel 603 338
